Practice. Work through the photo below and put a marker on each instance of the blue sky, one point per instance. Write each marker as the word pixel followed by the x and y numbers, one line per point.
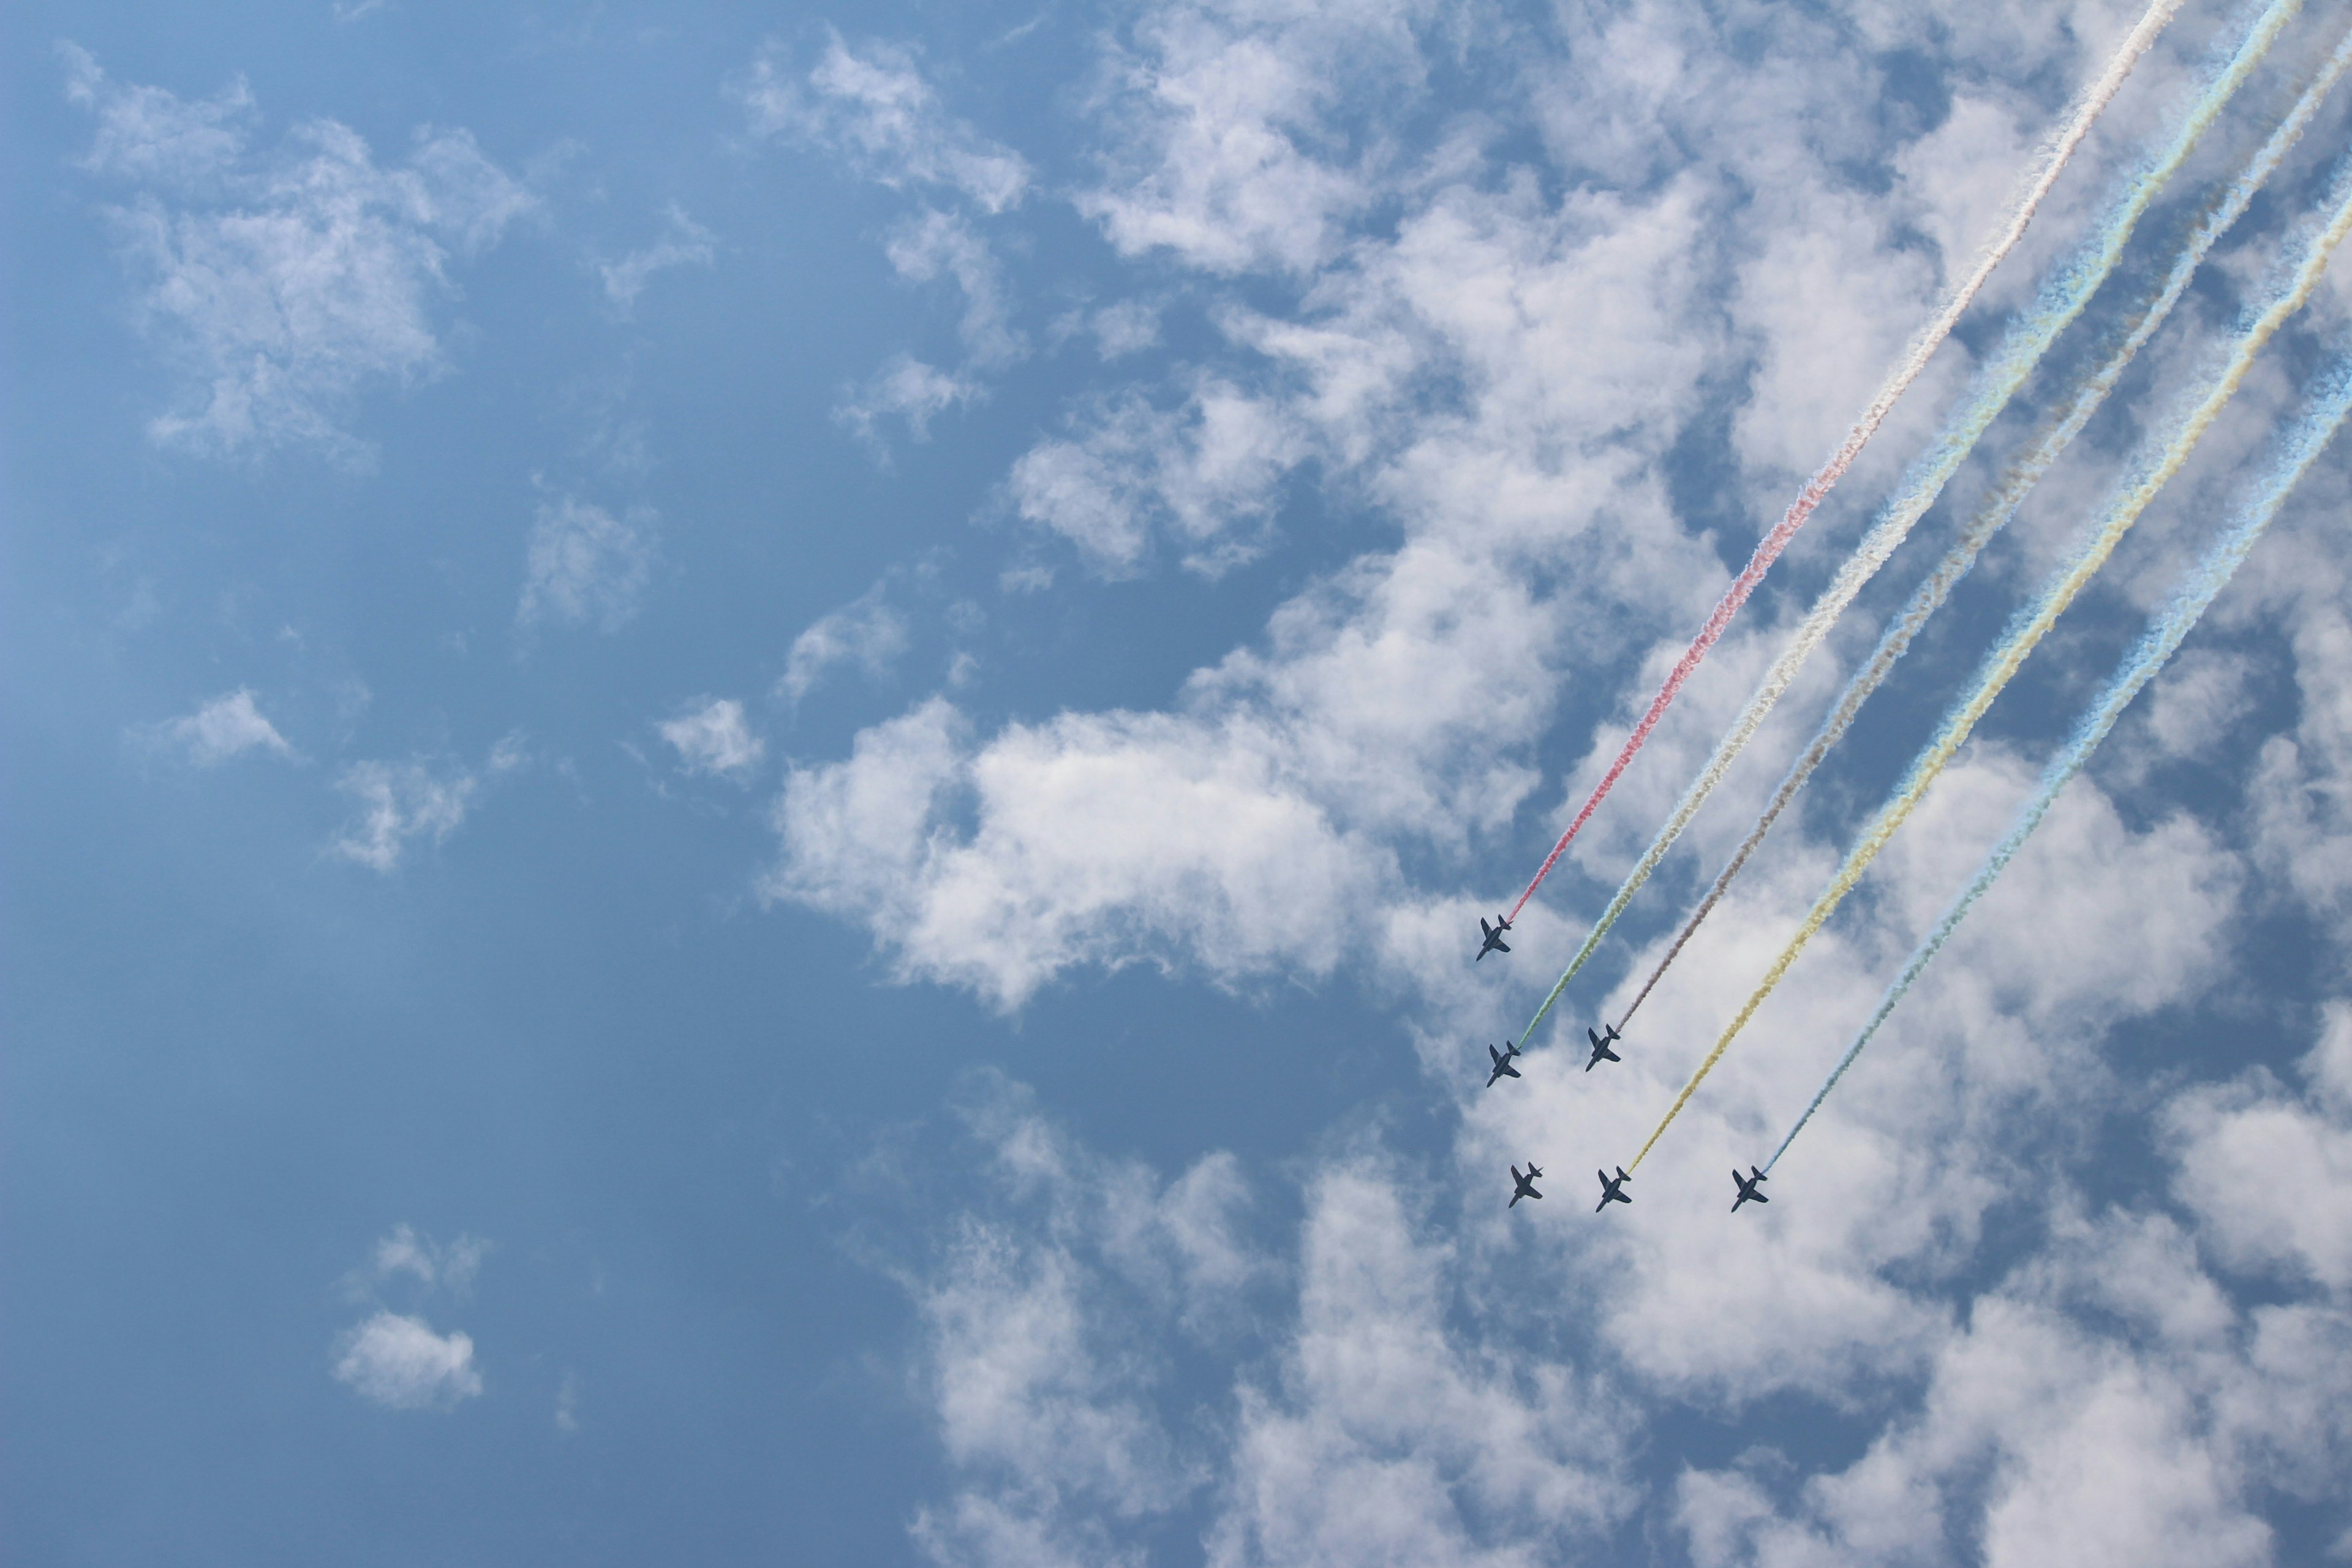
pixel 750 756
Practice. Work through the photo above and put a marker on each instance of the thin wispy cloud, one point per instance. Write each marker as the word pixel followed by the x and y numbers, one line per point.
pixel 683 243
pixel 868 633
pixel 871 107
pixel 587 566
pixel 405 1256
pixel 938 243
pixel 228 726
pixel 280 286
pixel 907 389
pixel 714 739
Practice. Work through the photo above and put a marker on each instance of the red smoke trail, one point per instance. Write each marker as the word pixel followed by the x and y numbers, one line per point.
pixel 1768 552
pixel 2055 155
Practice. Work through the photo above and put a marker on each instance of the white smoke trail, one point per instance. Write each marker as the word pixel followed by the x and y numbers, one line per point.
pixel 2028 630
pixel 2009 493
pixel 2054 154
pixel 2060 302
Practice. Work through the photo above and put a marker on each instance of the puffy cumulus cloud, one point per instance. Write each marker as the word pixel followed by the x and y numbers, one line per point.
pixel 225 727
pixel 1100 839
pixel 2269 1172
pixel 871 108
pixel 683 243
pixel 866 632
pixel 401 802
pixel 714 739
pixel 401 1363
pixel 2108 1403
pixel 280 285
pixel 584 565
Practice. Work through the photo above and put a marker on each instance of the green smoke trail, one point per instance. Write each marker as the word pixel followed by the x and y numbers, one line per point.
pixel 2054 153
pixel 2324 415
pixel 2062 298
pixel 2009 493
pixel 2029 630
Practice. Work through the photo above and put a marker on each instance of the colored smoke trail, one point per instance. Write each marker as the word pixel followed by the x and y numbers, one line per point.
pixel 2028 631
pixel 2325 415
pixel 2008 494
pixel 2059 302
pixel 2056 153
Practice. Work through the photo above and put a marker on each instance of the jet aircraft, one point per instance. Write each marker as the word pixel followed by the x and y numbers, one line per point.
pixel 1747 1185
pixel 1601 1051
pixel 1502 1068
pixel 1494 935
pixel 1612 1191
pixel 1525 1184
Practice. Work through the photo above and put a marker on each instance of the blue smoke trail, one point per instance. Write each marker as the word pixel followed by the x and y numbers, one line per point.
pixel 2060 300
pixel 2020 479
pixel 2329 404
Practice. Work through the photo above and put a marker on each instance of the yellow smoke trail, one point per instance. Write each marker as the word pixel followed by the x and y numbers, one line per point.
pixel 2060 300
pixel 2054 153
pixel 2122 512
pixel 2023 473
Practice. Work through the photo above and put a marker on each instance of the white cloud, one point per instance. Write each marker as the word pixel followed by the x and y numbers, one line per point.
pixel 281 286
pixel 401 1363
pixel 1100 839
pixel 714 739
pixel 567 1405
pixel 866 632
pixel 874 111
pixel 2269 1174
pixel 1126 327
pixel 910 389
pixel 1516 380
pixel 586 565
pixel 1037 1320
pixel 225 727
pixel 684 243
pixel 924 247
pixel 1226 155
pixel 404 1253
pixel 149 134
pixel 399 802
pixel 1207 475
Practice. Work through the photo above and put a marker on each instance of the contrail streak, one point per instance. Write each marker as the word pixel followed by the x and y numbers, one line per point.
pixel 2055 155
pixel 2009 493
pixel 2323 416
pixel 2060 302
pixel 2028 630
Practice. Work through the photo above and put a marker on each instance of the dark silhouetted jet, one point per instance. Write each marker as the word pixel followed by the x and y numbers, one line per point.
pixel 1494 935
pixel 1612 1191
pixel 1601 1051
pixel 1525 1184
pixel 1747 1185
pixel 1502 1068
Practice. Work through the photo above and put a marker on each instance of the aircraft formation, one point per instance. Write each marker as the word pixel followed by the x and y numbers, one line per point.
pixel 2066 291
